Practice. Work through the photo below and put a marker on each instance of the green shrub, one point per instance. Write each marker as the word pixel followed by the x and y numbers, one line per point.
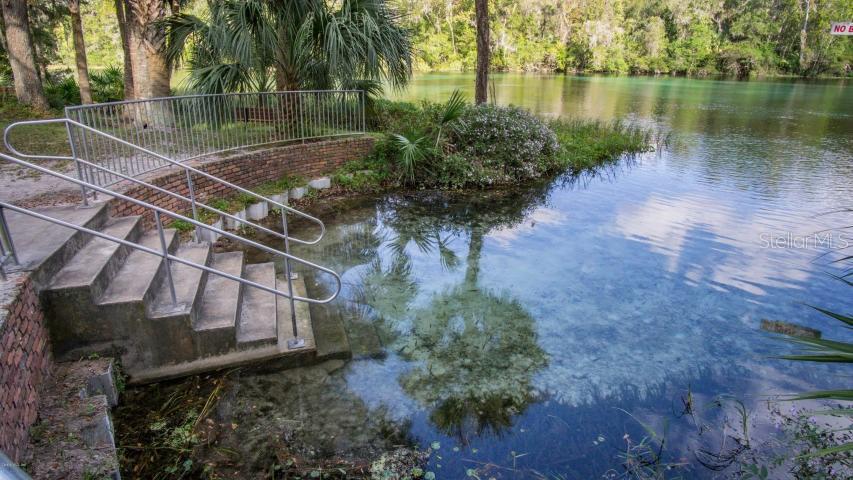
pixel 107 85
pixel 183 226
pixel 62 91
pixel 389 116
pixel 507 140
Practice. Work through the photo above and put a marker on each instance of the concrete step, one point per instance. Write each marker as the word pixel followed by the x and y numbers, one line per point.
pixel 216 323
pixel 94 265
pixel 44 247
pixel 270 357
pixel 141 274
pixel 189 284
pixel 257 324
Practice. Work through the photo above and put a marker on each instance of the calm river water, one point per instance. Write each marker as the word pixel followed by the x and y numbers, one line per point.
pixel 531 332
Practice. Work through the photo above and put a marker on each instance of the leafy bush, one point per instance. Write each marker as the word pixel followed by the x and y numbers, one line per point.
pixel 391 116
pixel 508 140
pixel 456 145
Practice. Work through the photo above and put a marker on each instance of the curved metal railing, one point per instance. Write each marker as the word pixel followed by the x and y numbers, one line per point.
pixel 163 211
pixel 192 126
pixel 118 141
pixel 82 165
pixel 7 248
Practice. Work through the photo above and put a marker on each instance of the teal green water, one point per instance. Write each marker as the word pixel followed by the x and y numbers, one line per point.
pixel 529 332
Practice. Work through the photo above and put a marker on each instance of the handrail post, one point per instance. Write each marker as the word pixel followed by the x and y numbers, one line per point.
pixel 192 201
pixel 295 342
pixel 301 101
pixel 5 241
pixel 363 115
pixel 76 161
pixel 165 250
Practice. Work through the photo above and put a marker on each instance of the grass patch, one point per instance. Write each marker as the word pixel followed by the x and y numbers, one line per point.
pixel 183 226
pixel 35 139
pixel 279 186
pixel 364 175
pixel 586 144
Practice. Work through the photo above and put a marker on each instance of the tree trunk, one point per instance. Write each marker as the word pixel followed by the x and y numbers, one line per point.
pixel 475 249
pixel 483 54
pixel 80 51
pixel 19 46
pixel 152 74
pixel 122 17
pixel 804 33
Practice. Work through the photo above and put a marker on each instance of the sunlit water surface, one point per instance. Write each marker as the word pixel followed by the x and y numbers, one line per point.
pixel 531 330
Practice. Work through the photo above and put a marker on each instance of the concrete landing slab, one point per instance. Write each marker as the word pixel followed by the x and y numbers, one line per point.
pixel 39 241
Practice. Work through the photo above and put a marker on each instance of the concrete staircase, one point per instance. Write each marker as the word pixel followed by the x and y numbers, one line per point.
pixel 101 296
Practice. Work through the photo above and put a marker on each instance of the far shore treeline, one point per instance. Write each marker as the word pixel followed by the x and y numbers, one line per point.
pixel 688 37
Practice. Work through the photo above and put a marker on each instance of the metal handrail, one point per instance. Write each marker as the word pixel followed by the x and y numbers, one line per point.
pixel 184 166
pixel 192 126
pixel 178 216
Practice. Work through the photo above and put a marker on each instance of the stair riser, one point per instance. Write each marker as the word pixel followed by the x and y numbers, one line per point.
pixel 221 340
pixel 75 319
pixel 102 280
pixel 54 263
pixel 162 278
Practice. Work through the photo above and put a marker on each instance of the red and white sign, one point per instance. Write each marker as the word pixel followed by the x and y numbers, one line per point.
pixel 841 28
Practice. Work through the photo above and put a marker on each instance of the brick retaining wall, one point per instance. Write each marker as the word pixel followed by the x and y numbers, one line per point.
pixel 25 362
pixel 246 169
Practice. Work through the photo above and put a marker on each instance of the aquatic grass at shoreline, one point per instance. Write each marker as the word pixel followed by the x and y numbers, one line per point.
pixel 586 144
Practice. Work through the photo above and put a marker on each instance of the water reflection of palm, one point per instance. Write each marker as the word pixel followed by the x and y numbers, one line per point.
pixel 475 351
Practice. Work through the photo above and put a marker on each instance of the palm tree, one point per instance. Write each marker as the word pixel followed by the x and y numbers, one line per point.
pixel 483 54
pixel 80 51
pixel 246 45
pixel 150 69
pixel 19 44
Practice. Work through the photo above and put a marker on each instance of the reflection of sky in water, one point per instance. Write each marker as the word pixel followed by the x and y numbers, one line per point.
pixel 649 277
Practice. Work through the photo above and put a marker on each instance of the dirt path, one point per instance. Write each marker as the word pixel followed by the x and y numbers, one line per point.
pixel 26 187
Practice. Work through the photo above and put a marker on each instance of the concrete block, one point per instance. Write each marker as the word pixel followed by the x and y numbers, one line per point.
pixel 298 192
pixel 102 382
pixel 206 235
pixel 232 224
pixel 280 198
pixel 258 211
pixel 320 183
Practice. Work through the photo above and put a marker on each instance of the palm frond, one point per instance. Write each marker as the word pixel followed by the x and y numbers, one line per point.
pixel 410 153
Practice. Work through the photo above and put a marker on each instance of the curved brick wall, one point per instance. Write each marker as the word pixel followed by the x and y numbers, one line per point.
pixel 246 169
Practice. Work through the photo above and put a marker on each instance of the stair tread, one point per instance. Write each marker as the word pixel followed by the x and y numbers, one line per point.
pixel 134 278
pixel 187 282
pixel 258 312
pixel 38 239
pixel 221 300
pixel 85 265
